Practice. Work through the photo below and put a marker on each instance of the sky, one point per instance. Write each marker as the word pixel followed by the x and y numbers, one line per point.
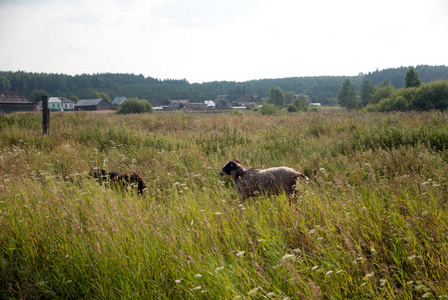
pixel 231 40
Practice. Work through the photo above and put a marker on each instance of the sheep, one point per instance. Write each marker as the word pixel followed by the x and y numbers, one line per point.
pixel 253 182
pixel 122 178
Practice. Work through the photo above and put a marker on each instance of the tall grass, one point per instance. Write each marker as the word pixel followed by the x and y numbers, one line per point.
pixel 370 223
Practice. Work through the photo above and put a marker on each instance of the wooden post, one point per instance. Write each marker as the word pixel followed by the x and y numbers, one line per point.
pixel 45 115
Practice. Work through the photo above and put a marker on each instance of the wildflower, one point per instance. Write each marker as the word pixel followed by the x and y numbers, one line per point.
pixel 312 231
pixel 219 269
pixel 426 295
pixel 329 273
pixel 314 268
pixel 288 257
pixel 339 271
pixel 270 295
pixel 198 275
pixel 240 253
pixel 178 280
pixel 196 288
pixel 369 276
pixel 383 282
pixel 217 213
pixel 254 291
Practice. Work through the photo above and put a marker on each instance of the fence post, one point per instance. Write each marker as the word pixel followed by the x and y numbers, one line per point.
pixel 45 115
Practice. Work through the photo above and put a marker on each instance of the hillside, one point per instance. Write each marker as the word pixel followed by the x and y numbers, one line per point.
pixel 320 89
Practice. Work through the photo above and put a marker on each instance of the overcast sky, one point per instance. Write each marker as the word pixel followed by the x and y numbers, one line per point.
pixel 235 40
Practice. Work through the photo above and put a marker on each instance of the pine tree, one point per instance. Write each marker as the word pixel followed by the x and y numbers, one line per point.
pixel 412 79
pixel 347 96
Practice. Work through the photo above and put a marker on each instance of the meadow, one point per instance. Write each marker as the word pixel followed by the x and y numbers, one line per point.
pixel 370 223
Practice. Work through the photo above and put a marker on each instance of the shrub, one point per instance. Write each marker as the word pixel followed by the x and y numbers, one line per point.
pixel 134 105
pixel 292 108
pixel 268 109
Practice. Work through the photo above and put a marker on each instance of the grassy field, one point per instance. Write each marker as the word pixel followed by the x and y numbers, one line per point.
pixel 370 223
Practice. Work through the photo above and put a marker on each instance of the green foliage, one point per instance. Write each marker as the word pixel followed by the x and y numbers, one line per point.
pixel 292 108
pixel 74 98
pixel 276 97
pixel 36 95
pixel 347 97
pixel 382 92
pixel 412 79
pixel 367 91
pixel 135 105
pixel 301 102
pixel 372 218
pixel 99 95
pixel 289 96
pixel 268 109
pixel 5 84
pixel 433 95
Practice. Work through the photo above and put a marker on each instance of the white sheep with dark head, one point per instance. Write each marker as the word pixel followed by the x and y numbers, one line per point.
pixel 256 182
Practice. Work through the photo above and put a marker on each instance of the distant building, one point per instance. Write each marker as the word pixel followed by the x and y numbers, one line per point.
pixel 12 101
pixel 93 104
pixel 119 101
pixel 60 104
pixel 314 104
pixel 176 104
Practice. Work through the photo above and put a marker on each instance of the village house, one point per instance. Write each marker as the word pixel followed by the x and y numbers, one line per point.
pixel 175 104
pixel 119 101
pixel 60 104
pixel 93 104
pixel 13 101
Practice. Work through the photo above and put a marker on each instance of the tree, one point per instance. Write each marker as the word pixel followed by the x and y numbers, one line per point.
pixel 74 98
pixel 301 102
pixel 36 95
pixel 412 79
pixel 135 105
pixel 347 96
pixel 289 97
pixel 5 85
pixel 268 109
pixel 367 90
pixel 276 97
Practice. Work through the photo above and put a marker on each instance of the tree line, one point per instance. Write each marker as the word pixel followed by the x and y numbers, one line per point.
pixel 414 94
pixel 322 89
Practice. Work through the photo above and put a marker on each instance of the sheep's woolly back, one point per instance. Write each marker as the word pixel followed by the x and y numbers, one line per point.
pixel 253 182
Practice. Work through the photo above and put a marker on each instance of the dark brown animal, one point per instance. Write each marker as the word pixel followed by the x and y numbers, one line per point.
pixel 129 178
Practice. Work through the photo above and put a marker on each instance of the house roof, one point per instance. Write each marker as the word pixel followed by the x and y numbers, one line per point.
pixel 14 97
pixel 118 100
pixel 54 99
pixel 89 102
pixel 60 100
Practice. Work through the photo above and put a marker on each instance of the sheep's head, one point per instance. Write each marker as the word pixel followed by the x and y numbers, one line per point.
pixel 229 167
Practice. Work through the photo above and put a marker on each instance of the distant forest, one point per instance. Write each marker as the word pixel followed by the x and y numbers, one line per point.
pixel 322 89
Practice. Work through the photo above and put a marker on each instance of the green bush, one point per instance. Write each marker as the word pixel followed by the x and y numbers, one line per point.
pixel 134 105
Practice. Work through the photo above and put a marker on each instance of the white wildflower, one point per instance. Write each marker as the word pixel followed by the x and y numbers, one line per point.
pixel 329 273
pixel 368 276
pixel 178 280
pixel 254 291
pixel 219 269
pixel 314 268
pixel 288 257
pixel 426 295
pixel 198 275
pixel 196 288
pixel 240 253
